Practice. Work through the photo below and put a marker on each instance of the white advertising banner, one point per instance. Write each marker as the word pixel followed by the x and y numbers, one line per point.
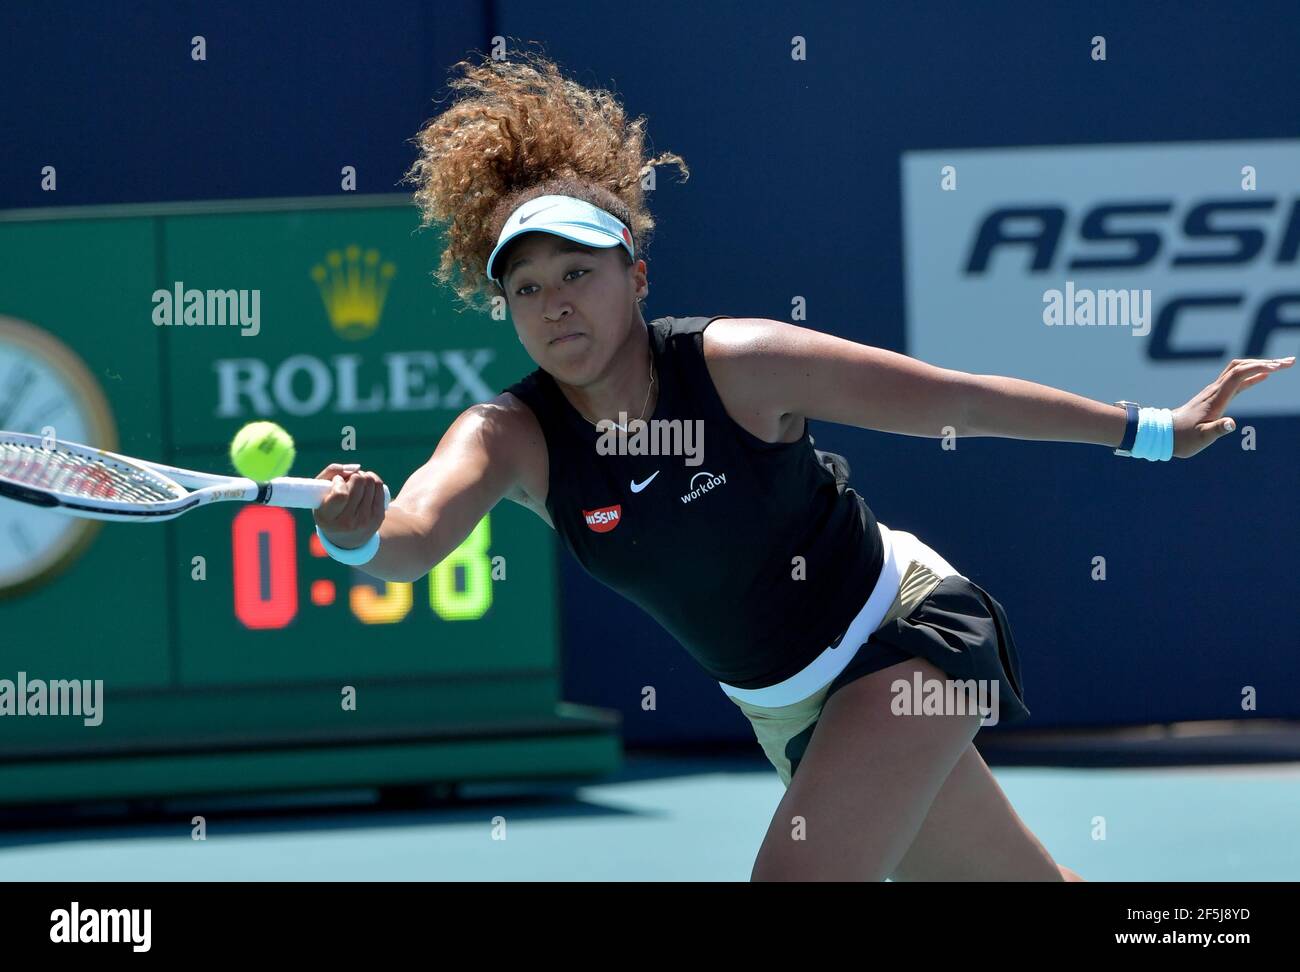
pixel 1113 271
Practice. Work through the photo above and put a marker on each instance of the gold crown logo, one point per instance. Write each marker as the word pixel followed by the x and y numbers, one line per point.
pixel 353 290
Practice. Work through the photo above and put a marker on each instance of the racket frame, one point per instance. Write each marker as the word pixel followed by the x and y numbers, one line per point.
pixel 194 488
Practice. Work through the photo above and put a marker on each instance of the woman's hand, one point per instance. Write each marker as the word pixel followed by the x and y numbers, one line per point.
pixel 1200 421
pixel 353 510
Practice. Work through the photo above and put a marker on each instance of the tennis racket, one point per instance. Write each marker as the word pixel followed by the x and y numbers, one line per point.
pixel 83 481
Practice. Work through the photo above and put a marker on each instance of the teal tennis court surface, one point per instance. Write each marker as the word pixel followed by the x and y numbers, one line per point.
pixel 661 819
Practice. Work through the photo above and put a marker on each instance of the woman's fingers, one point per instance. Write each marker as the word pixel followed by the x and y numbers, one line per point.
pixel 344 469
pixel 353 500
pixel 1243 374
pixel 1213 430
pixel 377 504
pixel 334 501
pixel 1238 363
pixel 1214 400
pixel 359 488
pixel 1201 420
pixel 1244 383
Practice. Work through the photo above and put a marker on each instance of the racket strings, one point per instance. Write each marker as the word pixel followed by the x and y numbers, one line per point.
pixel 88 477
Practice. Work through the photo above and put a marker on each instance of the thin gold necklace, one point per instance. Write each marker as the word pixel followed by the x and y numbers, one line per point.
pixel 649 388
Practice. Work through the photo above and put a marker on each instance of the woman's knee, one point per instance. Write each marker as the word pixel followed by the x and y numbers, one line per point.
pixel 863 786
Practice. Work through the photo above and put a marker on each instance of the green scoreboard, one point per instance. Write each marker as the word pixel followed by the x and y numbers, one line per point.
pixel 230 652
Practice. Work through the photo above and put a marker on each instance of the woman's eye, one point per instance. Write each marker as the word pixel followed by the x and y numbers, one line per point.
pixel 525 291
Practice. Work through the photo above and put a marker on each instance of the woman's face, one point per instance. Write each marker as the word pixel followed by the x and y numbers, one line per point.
pixel 572 305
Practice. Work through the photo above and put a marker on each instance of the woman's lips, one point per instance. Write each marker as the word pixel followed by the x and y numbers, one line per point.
pixel 566 338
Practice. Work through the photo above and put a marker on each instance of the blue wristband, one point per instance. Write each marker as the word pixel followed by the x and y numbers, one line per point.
pixel 356 556
pixel 1155 435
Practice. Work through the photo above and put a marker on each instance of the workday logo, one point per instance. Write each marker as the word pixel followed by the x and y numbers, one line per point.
pixel 701 483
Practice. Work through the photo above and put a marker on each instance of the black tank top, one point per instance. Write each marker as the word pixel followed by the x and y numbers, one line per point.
pixel 710 550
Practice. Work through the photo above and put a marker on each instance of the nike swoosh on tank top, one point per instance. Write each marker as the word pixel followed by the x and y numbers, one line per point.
pixel 710 550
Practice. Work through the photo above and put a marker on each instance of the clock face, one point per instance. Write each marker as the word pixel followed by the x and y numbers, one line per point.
pixel 43 386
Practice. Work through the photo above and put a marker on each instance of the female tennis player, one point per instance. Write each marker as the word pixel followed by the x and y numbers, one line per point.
pixel 751 550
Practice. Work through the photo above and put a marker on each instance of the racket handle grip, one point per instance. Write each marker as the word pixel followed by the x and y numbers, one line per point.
pixel 295 493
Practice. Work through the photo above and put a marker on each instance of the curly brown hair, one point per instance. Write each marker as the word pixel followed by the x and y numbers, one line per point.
pixel 519 131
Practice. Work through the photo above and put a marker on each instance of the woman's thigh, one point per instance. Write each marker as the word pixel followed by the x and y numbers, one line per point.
pixel 972 833
pixel 864 785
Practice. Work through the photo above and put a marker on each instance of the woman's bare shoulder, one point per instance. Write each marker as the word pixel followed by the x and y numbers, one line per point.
pixel 516 431
pixel 733 353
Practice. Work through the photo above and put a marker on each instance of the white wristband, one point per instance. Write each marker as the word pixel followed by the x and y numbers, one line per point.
pixel 356 556
pixel 1155 436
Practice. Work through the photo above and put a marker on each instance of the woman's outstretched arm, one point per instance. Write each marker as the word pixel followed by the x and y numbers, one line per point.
pixel 800 371
pixel 480 459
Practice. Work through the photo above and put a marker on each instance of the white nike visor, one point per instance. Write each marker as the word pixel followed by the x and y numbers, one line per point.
pixel 573 219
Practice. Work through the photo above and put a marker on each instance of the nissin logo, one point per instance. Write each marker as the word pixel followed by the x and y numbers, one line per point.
pixel 604 519
pixel 1150 234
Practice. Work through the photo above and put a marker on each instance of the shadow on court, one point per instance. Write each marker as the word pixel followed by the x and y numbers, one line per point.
pixel 368 808
pixel 662 817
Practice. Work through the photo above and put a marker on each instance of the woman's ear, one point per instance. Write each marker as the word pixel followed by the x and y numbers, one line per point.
pixel 640 280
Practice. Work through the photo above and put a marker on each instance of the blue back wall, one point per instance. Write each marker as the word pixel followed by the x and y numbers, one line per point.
pixel 794 191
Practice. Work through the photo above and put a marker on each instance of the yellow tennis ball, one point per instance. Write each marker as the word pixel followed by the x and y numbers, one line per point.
pixel 262 451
